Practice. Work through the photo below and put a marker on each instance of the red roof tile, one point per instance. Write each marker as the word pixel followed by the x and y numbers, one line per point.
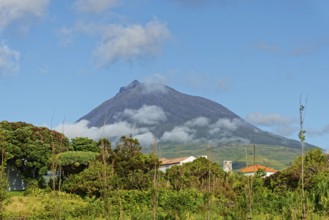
pixel 255 168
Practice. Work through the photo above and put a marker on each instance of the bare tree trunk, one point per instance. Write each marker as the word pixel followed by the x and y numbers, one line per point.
pixel 105 179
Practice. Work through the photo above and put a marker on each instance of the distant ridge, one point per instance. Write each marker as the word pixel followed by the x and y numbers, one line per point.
pixel 174 117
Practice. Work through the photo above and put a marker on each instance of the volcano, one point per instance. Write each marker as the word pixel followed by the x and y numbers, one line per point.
pixel 173 117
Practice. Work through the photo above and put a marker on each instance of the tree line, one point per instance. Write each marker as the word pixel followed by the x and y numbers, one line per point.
pixel 121 182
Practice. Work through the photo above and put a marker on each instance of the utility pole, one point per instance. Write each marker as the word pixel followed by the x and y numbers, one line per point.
pixel 302 139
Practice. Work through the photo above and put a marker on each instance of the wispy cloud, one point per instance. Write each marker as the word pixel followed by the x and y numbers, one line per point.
pixel 200 3
pixel 9 60
pixel 126 43
pixel 271 48
pixel 267 120
pixel 67 34
pixel 146 114
pixel 318 132
pixel 18 10
pixel 156 78
pixel 129 43
pixel 222 85
pixel 277 123
pixel 309 48
pixel 94 6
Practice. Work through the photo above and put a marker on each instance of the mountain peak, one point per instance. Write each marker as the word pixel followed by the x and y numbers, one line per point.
pixel 132 85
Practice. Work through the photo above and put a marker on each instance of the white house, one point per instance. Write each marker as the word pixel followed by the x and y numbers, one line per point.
pixel 167 163
pixel 250 170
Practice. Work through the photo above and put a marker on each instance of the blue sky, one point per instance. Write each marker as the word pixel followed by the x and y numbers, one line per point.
pixel 61 59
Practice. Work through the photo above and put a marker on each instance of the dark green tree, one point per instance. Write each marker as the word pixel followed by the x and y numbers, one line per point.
pixel 74 162
pixel 131 166
pixel 84 144
pixel 30 147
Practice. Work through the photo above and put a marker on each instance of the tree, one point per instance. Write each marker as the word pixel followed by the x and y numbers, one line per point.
pixel 131 166
pixel 89 182
pixel 30 147
pixel 84 144
pixel 73 162
pixel 194 174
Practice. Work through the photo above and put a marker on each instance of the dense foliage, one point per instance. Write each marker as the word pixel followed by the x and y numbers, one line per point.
pixel 30 147
pixel 96 181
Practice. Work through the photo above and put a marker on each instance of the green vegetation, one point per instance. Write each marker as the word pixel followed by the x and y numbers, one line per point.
pixel 277 157
pixel 92 180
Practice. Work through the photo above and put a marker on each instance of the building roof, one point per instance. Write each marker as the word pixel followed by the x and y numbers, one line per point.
pixel 165 161
pixel 255 168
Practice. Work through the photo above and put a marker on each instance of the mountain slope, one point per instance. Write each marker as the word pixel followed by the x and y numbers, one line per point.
pixel 174 117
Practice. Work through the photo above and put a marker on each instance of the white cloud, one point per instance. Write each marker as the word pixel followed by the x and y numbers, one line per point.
pixel 95 6
pixel 198 122
pixel 225 124
pixel 149 87
pixel 9 60
pixel 14 10
pixel 129 43
pixel 178 134
pixel 146 114
pixel 120 43
pixel 81 129
pixel 145 139
pixel 111 131
pixel 155 83
pixel 121 128
pixel 155 78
